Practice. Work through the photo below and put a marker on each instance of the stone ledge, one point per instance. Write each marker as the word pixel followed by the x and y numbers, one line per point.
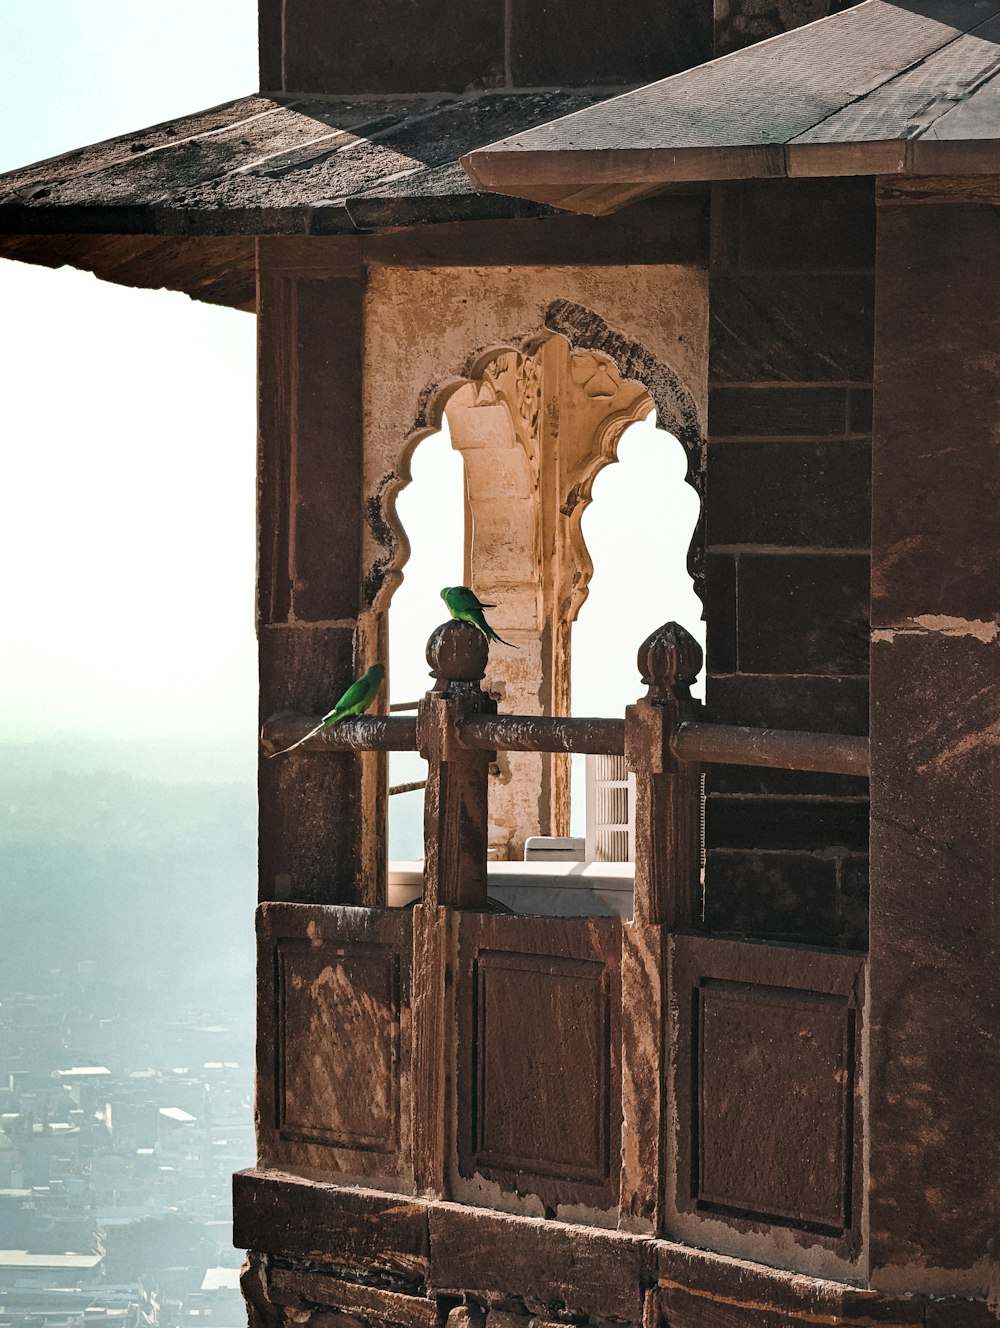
pixel 367 1257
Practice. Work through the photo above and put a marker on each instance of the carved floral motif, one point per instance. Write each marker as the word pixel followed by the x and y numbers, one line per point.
pixel 596 375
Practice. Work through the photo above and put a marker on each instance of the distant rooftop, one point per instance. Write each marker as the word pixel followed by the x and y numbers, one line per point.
pixel 221 1279
pixel 15 1259
pixel 178 1114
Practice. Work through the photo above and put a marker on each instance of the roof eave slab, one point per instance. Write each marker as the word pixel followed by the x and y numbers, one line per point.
pixel 882 88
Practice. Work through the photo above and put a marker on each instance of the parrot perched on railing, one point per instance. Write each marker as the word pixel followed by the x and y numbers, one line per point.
pixel 464 605
pixel 355 701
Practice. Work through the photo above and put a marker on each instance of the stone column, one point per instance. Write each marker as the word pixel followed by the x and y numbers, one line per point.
pixel 318 837
pixel 934 1044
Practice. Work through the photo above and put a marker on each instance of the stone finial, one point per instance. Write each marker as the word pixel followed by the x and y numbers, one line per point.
pixel 669 662
pixel 457 652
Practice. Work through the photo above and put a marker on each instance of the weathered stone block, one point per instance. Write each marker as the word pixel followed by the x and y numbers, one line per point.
pixel 335 46
pixel 720 612
pixel 800 328
pixel 790 494
pixel 805 225
pixel 777 783
pixel 798 225
pixel 937 456
pixel 823 704
pixel 555 44
pixel 775 823
pixel 803 614
pixel 308 802
pixel 775 895
pixel 774 412
pixel 774 1084
pixel 303 668
pixel 934 1081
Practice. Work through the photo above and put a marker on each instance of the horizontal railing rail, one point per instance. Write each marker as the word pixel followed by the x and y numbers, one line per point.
pixel 543 733
pixel 781 749
pixel 368 733
pixel 700 743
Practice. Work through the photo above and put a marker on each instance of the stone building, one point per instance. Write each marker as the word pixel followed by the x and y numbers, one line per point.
pixel 773 1096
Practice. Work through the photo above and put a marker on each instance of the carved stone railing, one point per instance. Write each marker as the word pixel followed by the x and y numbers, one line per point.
pixel 666 660
pixel 597 1067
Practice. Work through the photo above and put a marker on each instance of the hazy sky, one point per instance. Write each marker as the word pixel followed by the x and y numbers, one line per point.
pixel 128 438
pixel 127 432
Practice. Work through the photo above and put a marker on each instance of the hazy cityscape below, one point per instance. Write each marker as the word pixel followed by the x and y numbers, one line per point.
pixel 126 1036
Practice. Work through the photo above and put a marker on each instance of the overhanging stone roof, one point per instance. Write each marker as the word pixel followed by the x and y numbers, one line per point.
pixel 266 165
pixel 887 87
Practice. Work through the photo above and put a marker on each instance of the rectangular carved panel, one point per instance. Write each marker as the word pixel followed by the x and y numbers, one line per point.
pixel 338 1044
pixel 766 1084
pixel 774 1071
pixel 334 1043
pixel 522 1063
pixel 539 1056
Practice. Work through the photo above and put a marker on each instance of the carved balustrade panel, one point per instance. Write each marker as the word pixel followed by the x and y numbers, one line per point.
pixel 334 1048
pixel 539 1062
pixel 766 1085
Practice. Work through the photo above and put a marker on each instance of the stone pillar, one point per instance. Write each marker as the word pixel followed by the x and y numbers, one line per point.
pixel 934 1046
pixel 318 837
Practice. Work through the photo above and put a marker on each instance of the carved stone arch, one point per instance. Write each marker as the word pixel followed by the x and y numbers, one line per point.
pixel 676 408
pixel 535 422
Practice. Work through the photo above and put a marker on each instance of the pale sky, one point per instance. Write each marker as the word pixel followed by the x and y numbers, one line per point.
pixel 128 441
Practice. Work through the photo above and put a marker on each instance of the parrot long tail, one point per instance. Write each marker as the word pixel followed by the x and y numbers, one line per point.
pixel 311 734
pixel 494 637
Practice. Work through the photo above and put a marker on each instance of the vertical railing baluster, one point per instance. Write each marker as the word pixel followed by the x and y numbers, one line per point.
pixel 668 791
pixel 455 843
pixel 455 802
pixel 666 898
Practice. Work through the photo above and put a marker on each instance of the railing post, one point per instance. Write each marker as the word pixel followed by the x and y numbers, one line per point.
pixel 667 869
pixel 455 841
pixel 668 791
pixel 456 811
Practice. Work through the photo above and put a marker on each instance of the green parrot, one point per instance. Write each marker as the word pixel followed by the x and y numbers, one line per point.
pixel 355 701
pixel 464 605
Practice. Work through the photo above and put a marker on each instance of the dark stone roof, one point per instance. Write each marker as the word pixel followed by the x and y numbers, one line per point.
pixel 281 165
pixel 888 87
